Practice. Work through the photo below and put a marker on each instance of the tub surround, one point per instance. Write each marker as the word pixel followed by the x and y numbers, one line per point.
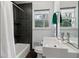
pixel 22 50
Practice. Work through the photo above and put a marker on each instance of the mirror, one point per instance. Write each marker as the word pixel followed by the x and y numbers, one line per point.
pixel 69 21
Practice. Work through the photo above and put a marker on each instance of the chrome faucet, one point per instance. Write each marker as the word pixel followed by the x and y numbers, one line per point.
pixel 62 36
pixel 68 36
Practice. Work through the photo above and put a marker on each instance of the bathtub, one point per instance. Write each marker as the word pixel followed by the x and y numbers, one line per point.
pixel 22 50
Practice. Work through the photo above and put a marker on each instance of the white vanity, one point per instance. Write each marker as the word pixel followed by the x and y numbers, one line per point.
pixel 55 48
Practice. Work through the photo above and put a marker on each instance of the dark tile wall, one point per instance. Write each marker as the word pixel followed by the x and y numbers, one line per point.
pixel 23 24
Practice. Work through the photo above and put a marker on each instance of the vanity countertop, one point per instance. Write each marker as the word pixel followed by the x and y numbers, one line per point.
pixel 53 42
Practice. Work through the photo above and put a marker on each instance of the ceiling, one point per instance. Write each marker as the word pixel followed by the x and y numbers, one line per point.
pixel 22 2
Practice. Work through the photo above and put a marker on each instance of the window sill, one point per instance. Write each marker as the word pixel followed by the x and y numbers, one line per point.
pixel 38 28
pixel 68 28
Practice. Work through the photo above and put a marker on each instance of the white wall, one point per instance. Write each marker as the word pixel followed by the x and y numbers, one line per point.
pixel 0 29
pixel 68 4
pixel 38 34
pixel 42 5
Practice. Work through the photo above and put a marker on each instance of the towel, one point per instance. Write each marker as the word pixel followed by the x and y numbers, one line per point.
pixel 54 19
pixel 60 18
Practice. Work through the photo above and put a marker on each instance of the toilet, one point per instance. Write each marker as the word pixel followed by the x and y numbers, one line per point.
pixel 39 51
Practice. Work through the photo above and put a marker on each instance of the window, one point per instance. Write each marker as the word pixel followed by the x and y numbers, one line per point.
pixel 41 18
pixel 68 17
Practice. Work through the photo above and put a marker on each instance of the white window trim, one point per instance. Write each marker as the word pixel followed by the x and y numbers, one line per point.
pixel 41 27
pixel 71 22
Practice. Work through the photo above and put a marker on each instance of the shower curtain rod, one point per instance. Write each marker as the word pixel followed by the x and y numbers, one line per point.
pixel 18 7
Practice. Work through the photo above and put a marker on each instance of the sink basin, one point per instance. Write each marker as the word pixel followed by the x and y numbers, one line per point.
pixel 51 43
pixel 53 47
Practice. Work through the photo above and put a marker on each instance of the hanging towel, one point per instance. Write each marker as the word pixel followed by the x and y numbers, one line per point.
pixel 60 18
pixel 54 19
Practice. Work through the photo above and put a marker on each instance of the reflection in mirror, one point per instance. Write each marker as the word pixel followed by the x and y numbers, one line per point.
pixel 69 24
pixel 68 17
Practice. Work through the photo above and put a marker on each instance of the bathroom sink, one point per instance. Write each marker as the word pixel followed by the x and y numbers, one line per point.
pixel 53 47
pixel 53 43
